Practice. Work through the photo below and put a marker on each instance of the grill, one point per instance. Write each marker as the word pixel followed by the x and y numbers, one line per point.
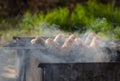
pixel 31 69
pixel 81 72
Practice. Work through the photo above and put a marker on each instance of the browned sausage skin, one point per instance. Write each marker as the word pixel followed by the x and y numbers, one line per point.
pixel 38 40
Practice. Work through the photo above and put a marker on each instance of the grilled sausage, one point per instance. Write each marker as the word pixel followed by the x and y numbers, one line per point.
pixel 38 40
pixel 66 47
pixel 50 43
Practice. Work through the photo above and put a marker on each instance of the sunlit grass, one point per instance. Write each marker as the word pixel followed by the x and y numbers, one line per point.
pixel 96 17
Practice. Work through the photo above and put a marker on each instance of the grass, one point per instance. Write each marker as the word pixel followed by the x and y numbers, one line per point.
pixel 96 17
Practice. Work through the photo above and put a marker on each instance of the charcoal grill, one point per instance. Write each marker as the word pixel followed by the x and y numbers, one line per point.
pixel 81 71
pixel 93 71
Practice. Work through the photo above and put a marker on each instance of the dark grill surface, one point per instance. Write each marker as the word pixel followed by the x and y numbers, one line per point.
pixel 81 72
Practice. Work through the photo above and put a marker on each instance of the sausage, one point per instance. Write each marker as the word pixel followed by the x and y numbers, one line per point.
pixel 66 47
pixel 79 42
pixel 38 40
pixel 50 43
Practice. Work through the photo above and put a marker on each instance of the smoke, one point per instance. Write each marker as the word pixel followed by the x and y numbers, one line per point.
pixel 16 60
pixel 8 64
pixel 49 55
pixel 46 29
pixel 97 53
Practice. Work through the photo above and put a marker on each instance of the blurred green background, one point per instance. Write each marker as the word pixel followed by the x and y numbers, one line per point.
pixel 24 17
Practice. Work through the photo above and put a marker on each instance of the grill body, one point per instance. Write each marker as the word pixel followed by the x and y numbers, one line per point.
pixel 81 71
pixel 31 69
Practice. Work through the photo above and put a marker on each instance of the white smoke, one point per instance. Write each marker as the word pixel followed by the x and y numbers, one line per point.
pixel 49 55
pixel 77 54
pixel 8 68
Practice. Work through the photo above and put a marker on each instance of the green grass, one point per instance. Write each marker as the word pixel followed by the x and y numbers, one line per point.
pixel 96 17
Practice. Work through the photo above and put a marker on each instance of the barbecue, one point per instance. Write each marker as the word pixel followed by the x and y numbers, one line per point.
pixel 65 67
